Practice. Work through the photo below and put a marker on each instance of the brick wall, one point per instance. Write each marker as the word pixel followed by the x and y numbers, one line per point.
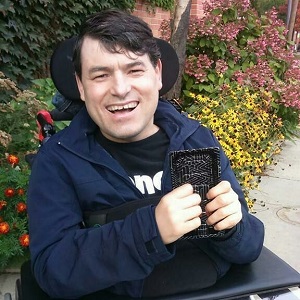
pixel 152 18
pixel 155 18
pixel 197 8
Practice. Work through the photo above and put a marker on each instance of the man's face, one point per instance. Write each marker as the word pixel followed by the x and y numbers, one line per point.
pixel 120 91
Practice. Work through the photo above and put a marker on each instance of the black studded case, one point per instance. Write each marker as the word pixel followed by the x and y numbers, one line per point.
pixel 200 168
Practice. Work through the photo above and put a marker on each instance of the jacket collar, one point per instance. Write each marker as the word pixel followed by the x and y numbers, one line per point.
pixel 79 136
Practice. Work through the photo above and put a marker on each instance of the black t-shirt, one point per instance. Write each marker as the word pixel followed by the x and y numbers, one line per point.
pixel 142 160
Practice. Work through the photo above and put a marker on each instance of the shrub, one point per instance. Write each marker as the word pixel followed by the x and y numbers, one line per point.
pixel 241 80
pixel 18 135
pixel 246 128
pixel 14 237
pixel 231 43
pixel 263 6
pixel 29 30
pixel 18 132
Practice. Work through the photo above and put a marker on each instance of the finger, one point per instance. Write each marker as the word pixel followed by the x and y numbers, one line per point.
pixel 228 222
pixel 182 191
pixel 222 200
pixel 223 213
pixel 192 224
pixel 183 204
pixel 182 197
pixel 191 213
pixel 221 188
pixel 217 204
pixel 190 201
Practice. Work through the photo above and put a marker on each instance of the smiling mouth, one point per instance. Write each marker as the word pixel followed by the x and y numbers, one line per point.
pixel 122 108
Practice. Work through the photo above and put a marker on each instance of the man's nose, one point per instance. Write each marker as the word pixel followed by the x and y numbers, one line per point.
pixel 121 85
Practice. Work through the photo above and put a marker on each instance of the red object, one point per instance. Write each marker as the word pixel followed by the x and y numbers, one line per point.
pixel 4 228
pixel 20 192
pixel 47 119
pixel 9 192
pixel 24 240
pixel 12 159
pixel 21 207
pixel 2 204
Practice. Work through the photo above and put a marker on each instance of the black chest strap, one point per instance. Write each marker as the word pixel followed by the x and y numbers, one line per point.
pixel 101 217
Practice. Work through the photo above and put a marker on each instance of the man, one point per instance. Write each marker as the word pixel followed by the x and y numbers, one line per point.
pixel 125 133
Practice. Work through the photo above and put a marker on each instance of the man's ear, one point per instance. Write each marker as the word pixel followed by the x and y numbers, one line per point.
pixel 80 87
pixel 159 73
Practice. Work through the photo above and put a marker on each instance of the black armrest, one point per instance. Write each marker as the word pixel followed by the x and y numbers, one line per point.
pixel 268 273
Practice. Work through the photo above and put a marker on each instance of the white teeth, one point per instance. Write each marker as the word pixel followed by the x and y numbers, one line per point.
pixel 121 107
pixel 130 105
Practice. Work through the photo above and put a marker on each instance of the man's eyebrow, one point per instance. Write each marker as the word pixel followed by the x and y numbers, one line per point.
pixel 107 69
pixel 98 69
pixel 135 64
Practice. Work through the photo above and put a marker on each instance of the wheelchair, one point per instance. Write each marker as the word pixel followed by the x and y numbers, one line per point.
pixel 268 274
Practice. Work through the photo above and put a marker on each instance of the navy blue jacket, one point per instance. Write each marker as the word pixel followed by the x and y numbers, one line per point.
pixel 73 173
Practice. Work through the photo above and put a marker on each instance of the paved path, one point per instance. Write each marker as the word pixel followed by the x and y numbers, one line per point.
pixel 278 204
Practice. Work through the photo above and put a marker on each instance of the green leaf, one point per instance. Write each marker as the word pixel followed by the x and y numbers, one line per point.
pixel 189 83
pixel 187 93
pixel 221 80
pixel 216 11
pixel 201 87
pixel 225 19
pixel 211 77
pixel 6 5
pixel 208 88
pixel 4 46
pixel 202 42
pixel 230 63
pixel 216 48
pixel 223 47
pixel 245 66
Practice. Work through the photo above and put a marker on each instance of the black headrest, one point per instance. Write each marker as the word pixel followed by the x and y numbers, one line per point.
pixel 63 73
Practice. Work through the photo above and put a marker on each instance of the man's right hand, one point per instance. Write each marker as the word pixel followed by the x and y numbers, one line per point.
pixel 178 213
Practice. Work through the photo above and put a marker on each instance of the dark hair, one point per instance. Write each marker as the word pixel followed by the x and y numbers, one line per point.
pixel 117 31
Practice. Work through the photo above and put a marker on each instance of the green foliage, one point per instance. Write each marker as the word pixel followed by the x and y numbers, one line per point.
pixel 232 43
pixel 241 80
pixel 264 5
pixel 45 90
pixel 246 128
pixel 29 31
pixel 18 136
pixel 164 4
pixel 18 119
pixel 290 120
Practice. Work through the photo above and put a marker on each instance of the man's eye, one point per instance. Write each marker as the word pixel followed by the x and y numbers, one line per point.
pixel 100 76
pixel 136 71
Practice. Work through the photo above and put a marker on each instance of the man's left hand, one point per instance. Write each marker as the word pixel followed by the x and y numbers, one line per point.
pixel 224 210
